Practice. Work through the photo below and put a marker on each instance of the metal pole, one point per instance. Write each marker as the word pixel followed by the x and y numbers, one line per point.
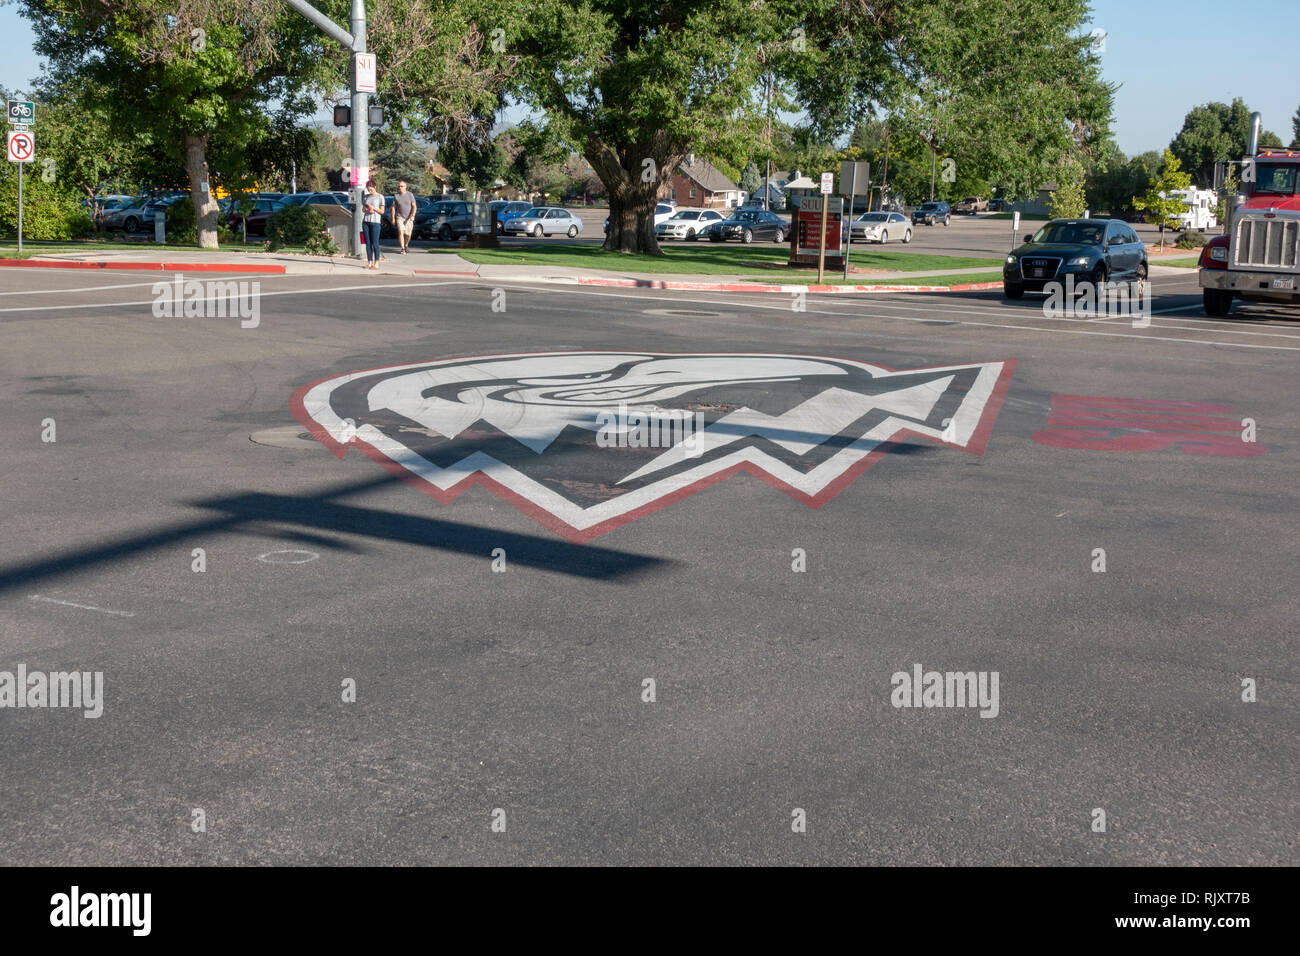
pixel 360 126
pixel 848 244
pixel 20 209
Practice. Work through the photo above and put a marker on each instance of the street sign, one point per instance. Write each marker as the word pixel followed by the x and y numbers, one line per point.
pixel 22 146
pixel 365 69
pixel 22 111
pixel 828 183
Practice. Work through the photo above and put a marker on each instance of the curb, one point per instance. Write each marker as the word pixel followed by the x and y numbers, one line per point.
pixel 145 266
pixel 782 289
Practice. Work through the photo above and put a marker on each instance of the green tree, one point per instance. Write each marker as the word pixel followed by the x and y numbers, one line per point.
pixel 1159 201
pixel 1069 199
pixel 1295 129
pixel 1214 133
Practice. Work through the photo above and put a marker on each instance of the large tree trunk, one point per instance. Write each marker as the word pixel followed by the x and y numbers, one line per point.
pixel 205 203
pixel 633 188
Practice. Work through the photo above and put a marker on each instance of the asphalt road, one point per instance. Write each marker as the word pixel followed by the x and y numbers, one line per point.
pixel 522 690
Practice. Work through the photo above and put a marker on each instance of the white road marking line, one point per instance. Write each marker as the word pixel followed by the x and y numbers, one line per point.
pixel 84 607
pixel 263 295
pixel 269 557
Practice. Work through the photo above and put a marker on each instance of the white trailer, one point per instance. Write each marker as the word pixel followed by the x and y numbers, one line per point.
pixel 1198 211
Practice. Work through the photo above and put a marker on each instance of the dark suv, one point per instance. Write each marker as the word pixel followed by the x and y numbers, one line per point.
pixel 1091 250
pixel 932 213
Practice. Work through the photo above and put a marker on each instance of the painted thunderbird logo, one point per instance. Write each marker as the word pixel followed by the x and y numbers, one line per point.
pixel 586 441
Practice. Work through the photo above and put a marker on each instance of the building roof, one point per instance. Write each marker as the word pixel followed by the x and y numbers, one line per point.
pixel 708 176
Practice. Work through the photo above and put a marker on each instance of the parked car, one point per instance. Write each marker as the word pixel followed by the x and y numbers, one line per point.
pixel 932 213
pixel 687 223
pixel 503 209
pixel 748 225
pixel 138 214
pixel 255 221
pixel 1092 250
pixel 998 205
pixel 318 198
pixel 446 219
pixel 971 205
pixel 545 221
pixel 882 226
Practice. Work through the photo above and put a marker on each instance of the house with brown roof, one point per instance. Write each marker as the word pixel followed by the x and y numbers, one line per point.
pixel 697 182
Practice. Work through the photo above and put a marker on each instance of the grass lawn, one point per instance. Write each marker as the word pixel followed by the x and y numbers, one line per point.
pixel 1179 262
pixel 707 258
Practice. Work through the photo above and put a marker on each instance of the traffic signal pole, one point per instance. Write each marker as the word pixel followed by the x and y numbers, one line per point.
pixel 356 43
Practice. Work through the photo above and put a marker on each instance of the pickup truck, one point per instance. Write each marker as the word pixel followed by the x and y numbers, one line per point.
pixel 971 205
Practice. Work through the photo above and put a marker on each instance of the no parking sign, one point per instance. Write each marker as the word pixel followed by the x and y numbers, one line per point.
pixel 22 146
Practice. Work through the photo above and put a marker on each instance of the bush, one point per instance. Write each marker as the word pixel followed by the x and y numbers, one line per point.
pixel 183 226
pixel 294 226
pixel 1191 239
pixel 48 212
pixel 321 244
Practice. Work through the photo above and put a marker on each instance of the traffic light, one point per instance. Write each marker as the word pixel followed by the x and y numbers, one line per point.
pixel 376 116
pixel 342 116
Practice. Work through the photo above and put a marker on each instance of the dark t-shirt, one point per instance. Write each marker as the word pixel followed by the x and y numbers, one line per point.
pixel 404 204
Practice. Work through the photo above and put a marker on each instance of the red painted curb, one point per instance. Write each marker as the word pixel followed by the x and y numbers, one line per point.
pixel 149 266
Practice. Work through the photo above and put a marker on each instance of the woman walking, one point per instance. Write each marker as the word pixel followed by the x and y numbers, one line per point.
pixel 372 217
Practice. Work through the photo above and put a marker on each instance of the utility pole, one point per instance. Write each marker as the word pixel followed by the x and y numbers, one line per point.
pixel 355 42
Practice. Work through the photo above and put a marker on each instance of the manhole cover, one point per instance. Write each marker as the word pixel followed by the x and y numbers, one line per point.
pixel 286 436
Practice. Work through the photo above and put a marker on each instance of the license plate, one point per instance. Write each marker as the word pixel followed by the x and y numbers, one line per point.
pixel 1038 273
pixel 1284 283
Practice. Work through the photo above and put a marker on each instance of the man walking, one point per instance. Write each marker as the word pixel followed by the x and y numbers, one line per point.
pixel 403 214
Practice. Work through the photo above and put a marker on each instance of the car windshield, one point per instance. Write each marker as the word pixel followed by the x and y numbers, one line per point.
pixel 687 215
pixel 1275 178
pixel 745 216
pixel 929 207
pixel 873 217
pixel 534 213
pixel 661 208
pixel 443 208
pixel 1072 233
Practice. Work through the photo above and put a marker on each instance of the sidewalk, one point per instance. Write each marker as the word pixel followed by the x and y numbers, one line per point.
pixel 422 263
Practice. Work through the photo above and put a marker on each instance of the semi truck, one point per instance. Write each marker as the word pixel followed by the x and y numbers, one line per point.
pixel 1257 259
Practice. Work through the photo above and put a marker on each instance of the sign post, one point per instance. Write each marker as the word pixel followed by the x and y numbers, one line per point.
pixel 1015 227
pixel 853 171
pixel 828 183
pixel 21 149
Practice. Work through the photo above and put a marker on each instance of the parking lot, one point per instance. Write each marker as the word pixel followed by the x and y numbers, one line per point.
pixel 499 653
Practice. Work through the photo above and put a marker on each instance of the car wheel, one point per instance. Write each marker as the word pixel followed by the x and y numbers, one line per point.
pixel 537 232
pixel 947 221
pixel 1013 291
pixel 1140 280
pixel 573 231
pixel 1098 280
pixel 500 228
pixel 779 237
pixel 131 225
pixel 1216 301
pixel 884 237
pixel 715 238
pixel 444 232
pixel 690 235
pixel 907 236
pixel 747 237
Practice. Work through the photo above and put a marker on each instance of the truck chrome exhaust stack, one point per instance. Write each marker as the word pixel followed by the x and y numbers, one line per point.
pixel 1256 124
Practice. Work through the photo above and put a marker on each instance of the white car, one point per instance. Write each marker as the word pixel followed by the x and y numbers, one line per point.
pixel 544 221
pixel 882 227
pixel 686 223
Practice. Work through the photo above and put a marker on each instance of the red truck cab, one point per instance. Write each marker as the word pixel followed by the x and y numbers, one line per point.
pixel 1257 259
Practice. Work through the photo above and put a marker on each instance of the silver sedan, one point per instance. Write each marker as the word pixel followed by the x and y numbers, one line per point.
pixel 544 221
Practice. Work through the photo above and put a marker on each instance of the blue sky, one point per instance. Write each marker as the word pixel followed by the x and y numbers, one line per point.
pixel 1167 56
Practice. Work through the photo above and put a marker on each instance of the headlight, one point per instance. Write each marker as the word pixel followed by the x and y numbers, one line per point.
pixel 1219 253
pixel 1011 260
pixel 1079 261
